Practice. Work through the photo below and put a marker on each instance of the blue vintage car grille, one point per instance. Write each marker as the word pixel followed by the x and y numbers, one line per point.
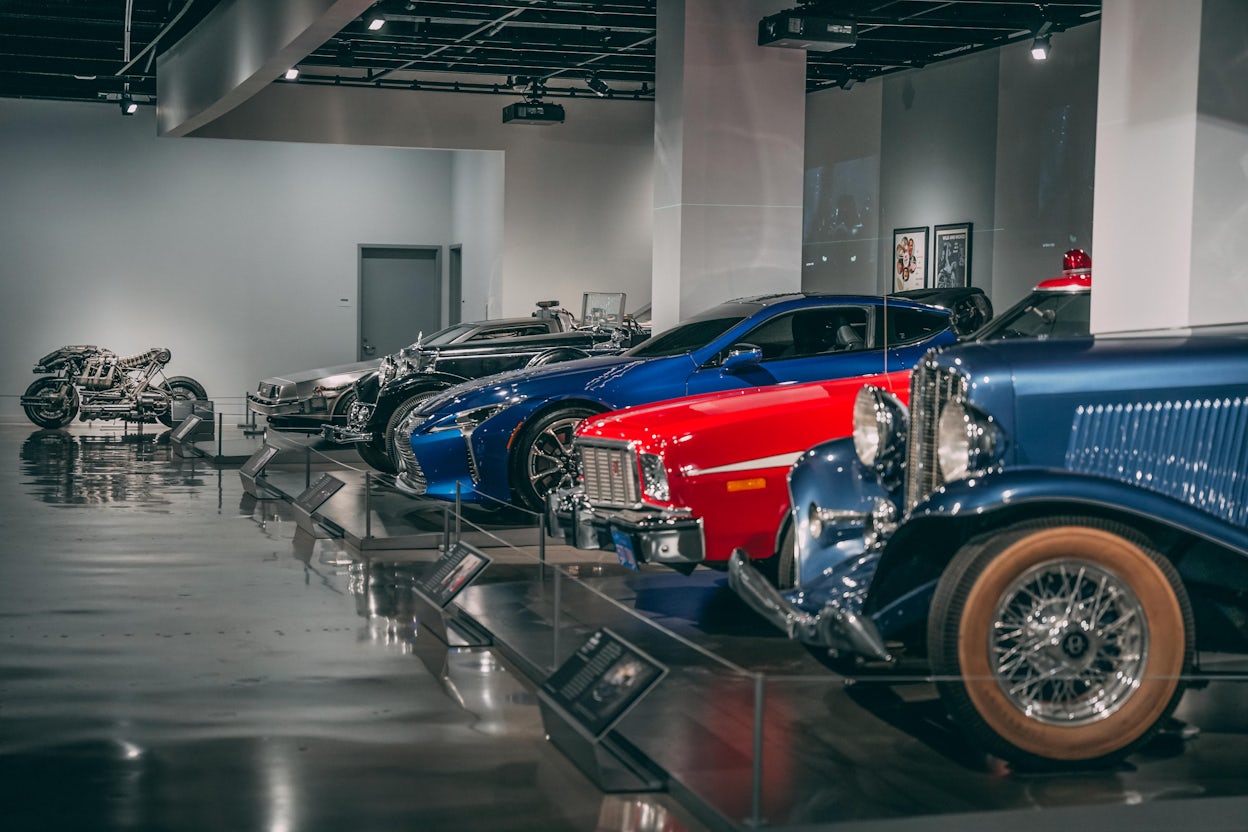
pixel 1180 449
pixel 931 388
pixel 610 473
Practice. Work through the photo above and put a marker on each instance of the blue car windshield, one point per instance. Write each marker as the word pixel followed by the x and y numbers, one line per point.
pixel 685 337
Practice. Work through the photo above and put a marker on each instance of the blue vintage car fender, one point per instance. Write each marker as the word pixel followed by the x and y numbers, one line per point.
pixel 830 476
pixel 936 528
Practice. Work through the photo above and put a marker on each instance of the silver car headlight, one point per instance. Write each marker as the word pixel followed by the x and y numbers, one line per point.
pixel 654 478
pixel 968 442
pixel 881 423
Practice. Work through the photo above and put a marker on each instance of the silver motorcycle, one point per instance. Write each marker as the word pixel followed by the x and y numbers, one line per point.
pixel 94 383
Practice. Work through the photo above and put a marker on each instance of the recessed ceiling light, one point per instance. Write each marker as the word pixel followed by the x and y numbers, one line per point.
pixel 376 23
pixel 291 74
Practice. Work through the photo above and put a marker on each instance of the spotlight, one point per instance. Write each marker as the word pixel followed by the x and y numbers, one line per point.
pixel 128 106
pixel 291 74
pixel 598 86
pixel 376 23
pixel 1040 48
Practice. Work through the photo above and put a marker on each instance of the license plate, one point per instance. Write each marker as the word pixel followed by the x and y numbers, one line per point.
pixel 624 550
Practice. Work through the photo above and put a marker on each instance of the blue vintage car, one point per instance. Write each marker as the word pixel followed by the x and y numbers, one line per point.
pixel 1056 525
pixel 508 439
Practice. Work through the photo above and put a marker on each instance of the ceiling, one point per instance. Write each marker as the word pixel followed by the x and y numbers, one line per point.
pixel 98 50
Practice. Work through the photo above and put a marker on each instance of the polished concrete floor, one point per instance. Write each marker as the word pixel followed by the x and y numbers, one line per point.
pixel 176 658
pixel 180 655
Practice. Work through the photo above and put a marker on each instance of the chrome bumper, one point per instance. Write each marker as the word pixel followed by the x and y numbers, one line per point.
pixel 343 435
pixel 272 407
pixel 656 535
pixel 840 631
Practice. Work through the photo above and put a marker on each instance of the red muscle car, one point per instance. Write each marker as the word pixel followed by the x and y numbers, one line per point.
pixel 684 482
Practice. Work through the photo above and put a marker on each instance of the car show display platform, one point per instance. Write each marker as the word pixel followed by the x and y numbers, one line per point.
pixel 746 728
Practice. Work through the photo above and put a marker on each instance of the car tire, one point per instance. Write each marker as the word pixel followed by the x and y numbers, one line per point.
pixel 342 406
pixel 1060 641
pixel 543 460
pixel 400 414
pixel 375 456
pixel 781 567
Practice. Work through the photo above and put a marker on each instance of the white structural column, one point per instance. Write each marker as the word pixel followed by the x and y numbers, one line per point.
pixel 1171 197
pixel 728 140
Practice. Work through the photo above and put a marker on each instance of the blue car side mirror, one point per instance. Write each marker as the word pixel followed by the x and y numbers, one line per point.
pixel 742 356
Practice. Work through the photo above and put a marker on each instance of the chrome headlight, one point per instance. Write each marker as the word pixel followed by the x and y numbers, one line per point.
pixel 881 423
pixel 968 442
pixel 654 478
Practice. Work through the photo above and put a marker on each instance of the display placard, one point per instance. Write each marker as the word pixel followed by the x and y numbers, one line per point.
pixel 256 462
pixel 450 574
pixel 185 429
pixel 315 495
pixel 601 681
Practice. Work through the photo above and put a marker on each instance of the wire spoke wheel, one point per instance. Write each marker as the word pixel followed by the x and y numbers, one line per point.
pixel 1060 640
pixel 1069 642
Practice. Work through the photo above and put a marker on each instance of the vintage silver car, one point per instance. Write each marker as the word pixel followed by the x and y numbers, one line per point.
pixel 309 399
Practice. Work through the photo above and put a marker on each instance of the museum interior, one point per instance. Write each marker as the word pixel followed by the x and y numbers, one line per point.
pixel 638 416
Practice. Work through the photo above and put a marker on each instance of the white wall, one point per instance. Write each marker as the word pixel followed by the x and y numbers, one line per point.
pixel 234 254
pixel 577 196
pixel 477 225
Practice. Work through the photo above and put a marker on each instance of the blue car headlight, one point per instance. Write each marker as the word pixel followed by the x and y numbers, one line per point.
pixel 969 442
pixel 466 421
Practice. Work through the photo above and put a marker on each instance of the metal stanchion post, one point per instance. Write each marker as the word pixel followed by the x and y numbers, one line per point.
pixel 368 508
pixel 756 787
pixel 458 533
pixel 541 538
pixel 554 658
pixel 307 466
pixel 220 433
pixel 446 529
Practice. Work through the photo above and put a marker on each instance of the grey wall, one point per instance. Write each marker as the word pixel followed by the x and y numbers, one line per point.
pixel 938 155
pixel 1046 160
pixel 577 197
pixel 477 225
pixel 840 218
pixel 239 256
pixel 993 138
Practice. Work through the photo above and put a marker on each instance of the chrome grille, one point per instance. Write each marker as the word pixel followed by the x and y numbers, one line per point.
pixel 610 473
pixel 1191 450
pixel 412 474
pixel 931 388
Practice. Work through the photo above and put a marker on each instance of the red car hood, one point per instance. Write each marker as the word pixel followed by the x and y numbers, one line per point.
pixel 758 427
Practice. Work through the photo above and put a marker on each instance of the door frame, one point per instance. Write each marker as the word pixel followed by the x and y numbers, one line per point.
pixel 438 264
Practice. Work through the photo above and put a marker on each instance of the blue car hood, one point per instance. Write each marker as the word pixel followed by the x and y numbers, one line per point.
pixel 586 374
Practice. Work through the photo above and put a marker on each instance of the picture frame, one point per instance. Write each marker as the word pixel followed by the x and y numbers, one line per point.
pixel 909 260
pixel 951 255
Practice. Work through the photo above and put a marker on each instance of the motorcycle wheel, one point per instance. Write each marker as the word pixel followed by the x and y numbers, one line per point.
pixel 181 388
pixel 60 404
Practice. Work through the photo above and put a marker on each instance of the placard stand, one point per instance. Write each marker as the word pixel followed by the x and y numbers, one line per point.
pixel 312 498
pixel 584 699
pixel 252 474
pixel 448 576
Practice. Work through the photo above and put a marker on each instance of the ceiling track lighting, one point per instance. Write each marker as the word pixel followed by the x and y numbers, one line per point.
pixel 598 86
pixel 1040 48
pixel 128 105
pixel 291 74
pixel 376 23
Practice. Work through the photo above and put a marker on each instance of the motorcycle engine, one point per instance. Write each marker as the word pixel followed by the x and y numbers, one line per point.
pixel 98 373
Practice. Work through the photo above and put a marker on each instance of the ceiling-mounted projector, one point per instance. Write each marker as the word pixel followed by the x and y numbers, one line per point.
pixel 533 112
pixel 795 29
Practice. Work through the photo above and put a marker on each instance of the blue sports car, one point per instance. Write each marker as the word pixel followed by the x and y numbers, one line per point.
pixel 508 438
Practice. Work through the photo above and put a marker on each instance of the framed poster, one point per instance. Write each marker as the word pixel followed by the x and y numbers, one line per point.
pixel 951 249
pixel 909 258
